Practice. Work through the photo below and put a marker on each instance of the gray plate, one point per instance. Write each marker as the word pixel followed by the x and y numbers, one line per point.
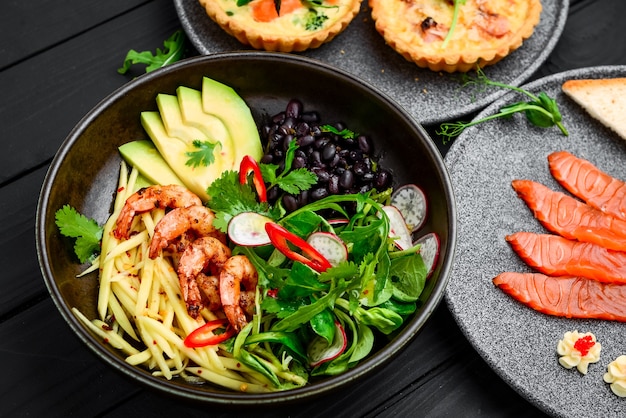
pixel 430 97
pixel 517 342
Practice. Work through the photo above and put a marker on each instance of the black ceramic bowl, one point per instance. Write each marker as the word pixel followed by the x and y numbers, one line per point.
pixel 85 170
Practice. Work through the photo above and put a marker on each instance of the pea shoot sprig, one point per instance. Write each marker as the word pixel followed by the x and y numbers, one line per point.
pixel 455 18
pixel 541 110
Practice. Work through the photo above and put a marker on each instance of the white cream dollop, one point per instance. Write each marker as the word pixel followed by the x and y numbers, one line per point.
pixel 616 376
pixel 572 356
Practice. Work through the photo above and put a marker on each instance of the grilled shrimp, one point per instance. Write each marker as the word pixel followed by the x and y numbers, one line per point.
pixel 206 253
pixel 236 273
pixel 149 198
pixel 210 288
pixel 178 222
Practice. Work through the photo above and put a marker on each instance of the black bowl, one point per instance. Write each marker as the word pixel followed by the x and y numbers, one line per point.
pixel 85 170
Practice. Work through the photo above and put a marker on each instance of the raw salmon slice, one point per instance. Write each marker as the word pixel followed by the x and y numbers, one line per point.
pixel 571 218
pixel 566 296
pixel 557 256
pixel 586 181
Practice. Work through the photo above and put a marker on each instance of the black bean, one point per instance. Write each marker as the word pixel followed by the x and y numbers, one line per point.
pixel 315 159
pixel 267 158
pixel 329 152
pixel 294 109
pixel 310 117
pixel 319 193
pixel 333 184
pixel 299 162
pixel 382 180
pixel 347 179
pixel 286 141
pixel 290 203
pixel 365 143
pixel 322 174
pixel 305 141
pixel 321 142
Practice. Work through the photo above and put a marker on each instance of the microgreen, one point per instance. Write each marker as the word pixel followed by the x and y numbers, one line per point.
pixel 204 156
pixel 541 110
pixel 86 231
pixel 173 51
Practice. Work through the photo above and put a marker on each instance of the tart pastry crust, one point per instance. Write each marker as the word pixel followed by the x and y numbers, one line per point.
pixel 301 24
pixel 486 30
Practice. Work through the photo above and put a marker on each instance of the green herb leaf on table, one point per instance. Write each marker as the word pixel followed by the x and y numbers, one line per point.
pixel 541 110
pixel 204 156
pixel 86 231
pixel 173 51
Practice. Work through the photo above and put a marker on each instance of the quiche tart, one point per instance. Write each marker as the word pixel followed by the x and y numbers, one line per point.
pixel 485 30
pixel 298 24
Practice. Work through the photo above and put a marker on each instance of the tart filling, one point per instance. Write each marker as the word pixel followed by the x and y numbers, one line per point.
pixel 485 31
pixel 299 24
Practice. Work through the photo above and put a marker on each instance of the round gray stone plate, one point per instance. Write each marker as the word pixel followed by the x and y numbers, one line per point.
pixel 516 341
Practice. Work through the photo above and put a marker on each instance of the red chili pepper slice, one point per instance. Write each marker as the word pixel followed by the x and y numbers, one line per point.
pixel 249 164
pixel 281 238
pixel 203 336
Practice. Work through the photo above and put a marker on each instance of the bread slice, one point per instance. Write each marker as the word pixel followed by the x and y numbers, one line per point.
pixel 604 99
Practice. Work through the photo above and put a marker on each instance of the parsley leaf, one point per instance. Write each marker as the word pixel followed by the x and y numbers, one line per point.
pixel 86 231
pixel 173 51
pixel 204 156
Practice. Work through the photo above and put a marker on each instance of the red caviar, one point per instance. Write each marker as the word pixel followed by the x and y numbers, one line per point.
pixel 584 344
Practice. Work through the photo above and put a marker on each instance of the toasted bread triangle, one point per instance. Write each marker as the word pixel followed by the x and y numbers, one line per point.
pixel 604 99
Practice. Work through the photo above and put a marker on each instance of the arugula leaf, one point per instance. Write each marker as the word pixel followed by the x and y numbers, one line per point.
pixel 173 51
pixel 86 231
pixel 541 110
pixel 204 156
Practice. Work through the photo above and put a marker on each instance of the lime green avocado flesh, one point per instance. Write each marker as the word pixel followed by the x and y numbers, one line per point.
pixel 146 158
pixel 217 115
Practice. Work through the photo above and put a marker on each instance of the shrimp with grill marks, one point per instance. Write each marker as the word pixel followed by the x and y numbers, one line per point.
pixel 196 219
pixel 203 254
pixel 149 198
pixel 236 273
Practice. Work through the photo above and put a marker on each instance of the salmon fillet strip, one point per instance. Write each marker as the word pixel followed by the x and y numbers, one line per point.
pixel 566 296
pixel 571 218
pixel 585 181
pixel 557 256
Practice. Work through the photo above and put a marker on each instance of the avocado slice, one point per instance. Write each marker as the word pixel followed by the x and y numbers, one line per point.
pixel 222 101
pixel 190 102
pixel 174 152
pixel 144 156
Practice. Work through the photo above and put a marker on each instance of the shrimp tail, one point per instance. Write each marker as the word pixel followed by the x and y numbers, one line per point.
pixel 585 181
pixel 571 218
pixel 557 256
pixel 566 296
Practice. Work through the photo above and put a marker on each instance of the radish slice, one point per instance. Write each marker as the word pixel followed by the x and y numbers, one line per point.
pixel 398 228
pixel 248 229
pixel 411 202
pixel 319 351
pixel 330 246
pixel 429 250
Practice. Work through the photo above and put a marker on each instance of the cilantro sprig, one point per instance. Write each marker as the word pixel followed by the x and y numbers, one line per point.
pixel 87 232
pixel 290 180
pixel 173 51
pixel 541 110
pixel 204 156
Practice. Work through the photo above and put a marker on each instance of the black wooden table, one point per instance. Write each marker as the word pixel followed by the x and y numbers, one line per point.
pixel 59 59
